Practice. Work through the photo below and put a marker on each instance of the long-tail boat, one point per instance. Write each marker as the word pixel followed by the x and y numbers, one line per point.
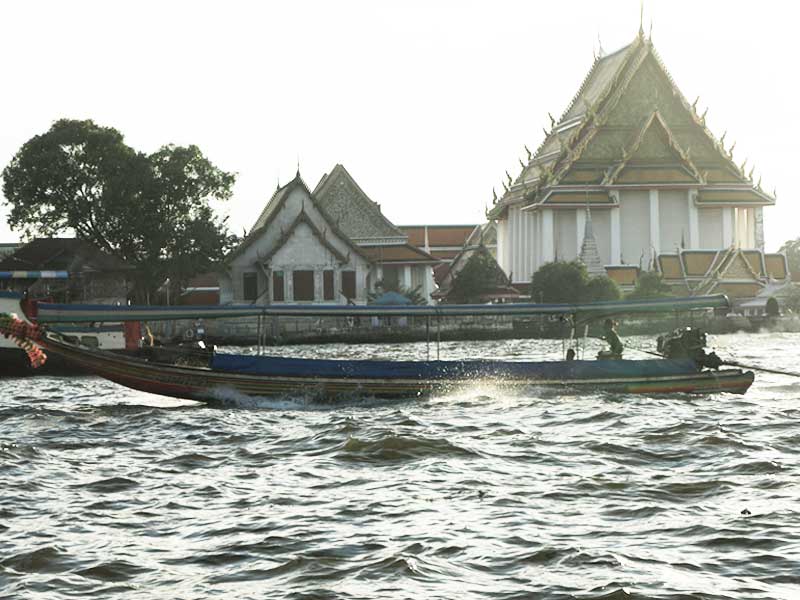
pixel 684 366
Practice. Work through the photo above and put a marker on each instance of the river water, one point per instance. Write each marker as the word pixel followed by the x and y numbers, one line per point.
pixel 106 492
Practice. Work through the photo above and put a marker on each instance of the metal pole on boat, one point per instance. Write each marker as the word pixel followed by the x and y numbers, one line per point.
pixel 585 335
pixel 428 337
pixel 260 333
pixel 438 334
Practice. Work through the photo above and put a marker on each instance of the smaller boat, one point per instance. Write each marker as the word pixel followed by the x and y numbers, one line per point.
pixel 205 375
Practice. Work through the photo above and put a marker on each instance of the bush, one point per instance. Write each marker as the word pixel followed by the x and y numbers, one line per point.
pixel 568 282
pixel 650 284
pixel 602 288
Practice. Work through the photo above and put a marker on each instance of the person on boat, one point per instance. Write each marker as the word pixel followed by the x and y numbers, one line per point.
pixel 610 336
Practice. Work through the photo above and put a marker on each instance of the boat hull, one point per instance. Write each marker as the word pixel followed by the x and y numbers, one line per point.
pixel 204 384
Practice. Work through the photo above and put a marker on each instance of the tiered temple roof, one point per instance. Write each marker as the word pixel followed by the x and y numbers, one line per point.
pixel 733 271
pixel 629 125
pixel 357 215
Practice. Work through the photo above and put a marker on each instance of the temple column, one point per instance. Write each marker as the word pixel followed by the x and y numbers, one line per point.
pixel 580 221
pixel 655 232
pixel 548 239
pixel 759 224
pixel 694 220
pixel 616 239
pixel 727 227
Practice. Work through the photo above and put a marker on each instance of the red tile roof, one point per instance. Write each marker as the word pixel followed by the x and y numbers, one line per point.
pixel 438 235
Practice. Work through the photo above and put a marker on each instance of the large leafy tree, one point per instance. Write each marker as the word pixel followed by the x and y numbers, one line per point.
pixel 153 211
pixel 569 282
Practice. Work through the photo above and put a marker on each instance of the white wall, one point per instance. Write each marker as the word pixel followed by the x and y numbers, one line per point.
pixel 673 218
pixel 634 217
pixel 566 234
pixel 710 228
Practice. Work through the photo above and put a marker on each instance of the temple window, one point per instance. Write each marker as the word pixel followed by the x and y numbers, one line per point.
pixel 250 285
pixel 327 284
pixel 349 284
pixel 303 283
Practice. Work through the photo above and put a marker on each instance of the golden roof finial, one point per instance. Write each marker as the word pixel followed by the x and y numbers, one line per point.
pixel 552 120
pixel 521 164
pixel 750 174
pixel 722 139
pixel 510 181
pixel 694 104
pixel 730 150
pixel 741 168
pixel 494 196
pixel 758 185
pixel 529 152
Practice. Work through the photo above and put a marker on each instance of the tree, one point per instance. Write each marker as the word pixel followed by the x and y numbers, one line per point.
pixel 153 211
pixel 568 282
pixel 560 282
pixel 792 251
pixel 650 284
pixel 479 276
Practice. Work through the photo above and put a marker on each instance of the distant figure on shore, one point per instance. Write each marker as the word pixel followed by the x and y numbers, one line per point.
pixel 571 354
pixel 615 345
pixel 199 330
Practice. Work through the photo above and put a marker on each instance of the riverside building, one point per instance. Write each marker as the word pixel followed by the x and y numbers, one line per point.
pixel 634 156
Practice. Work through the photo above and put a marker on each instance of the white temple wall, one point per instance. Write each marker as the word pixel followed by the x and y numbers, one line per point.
pixel 566 234
pixel 634 208
pixel 745 227
pixel 673 217
pixel 710 228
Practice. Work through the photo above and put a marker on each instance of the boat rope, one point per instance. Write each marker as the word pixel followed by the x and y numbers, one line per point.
pixel 24 335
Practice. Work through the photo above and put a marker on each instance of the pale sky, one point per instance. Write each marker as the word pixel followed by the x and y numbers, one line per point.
pixel 426 103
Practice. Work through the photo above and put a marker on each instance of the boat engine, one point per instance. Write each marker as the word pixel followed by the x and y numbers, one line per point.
pixel 688 342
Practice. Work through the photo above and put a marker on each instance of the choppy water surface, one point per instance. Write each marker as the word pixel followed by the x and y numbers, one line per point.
pixel 107 492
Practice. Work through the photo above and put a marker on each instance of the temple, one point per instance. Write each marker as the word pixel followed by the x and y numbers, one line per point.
pixel 634 156
pixel 332 245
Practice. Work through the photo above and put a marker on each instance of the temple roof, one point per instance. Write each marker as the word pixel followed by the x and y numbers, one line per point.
pixel 732 270
pixel 398 254
pixel 273 207
pixel 354 212
pixel 628 125
pixel 438 235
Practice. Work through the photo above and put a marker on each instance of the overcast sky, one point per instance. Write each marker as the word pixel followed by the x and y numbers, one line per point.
pixel 427 103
